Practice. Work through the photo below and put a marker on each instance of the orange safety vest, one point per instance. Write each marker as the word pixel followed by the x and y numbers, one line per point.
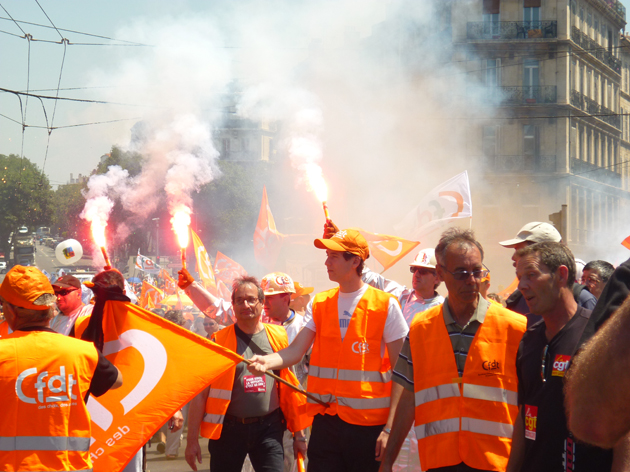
pixel 45 425
pixel 468 419
pixel 292 403
pixel 351 375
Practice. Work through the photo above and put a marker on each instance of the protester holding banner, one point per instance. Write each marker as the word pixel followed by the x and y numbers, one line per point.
pixel 244 414
pixel 355 330
pixel 45 424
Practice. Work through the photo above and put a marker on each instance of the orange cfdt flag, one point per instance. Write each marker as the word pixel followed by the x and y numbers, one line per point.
pixel 154 357
pixel 626 243
pixel 170 285
pixel 223 291
pixel 386 249
pixel 226 270
pixel 149 291
pixel 267 239
pixel 204 266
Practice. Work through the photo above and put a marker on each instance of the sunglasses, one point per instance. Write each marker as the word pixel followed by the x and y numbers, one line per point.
pixel 464 274
pixel 421 270
pixel 64 292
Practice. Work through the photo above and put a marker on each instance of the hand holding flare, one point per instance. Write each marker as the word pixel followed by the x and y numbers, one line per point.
pixel 181 223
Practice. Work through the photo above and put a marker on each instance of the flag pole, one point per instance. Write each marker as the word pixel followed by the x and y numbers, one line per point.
pixel 290 385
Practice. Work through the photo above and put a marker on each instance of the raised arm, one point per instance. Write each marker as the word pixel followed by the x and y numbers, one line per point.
pixel 597 383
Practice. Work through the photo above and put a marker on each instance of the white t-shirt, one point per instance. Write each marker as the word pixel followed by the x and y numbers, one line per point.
pixel 395 325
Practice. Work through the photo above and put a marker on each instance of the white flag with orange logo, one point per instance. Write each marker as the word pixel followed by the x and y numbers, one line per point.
pixel 204 266
pixel 267 239
pixel 386 249
pixel 226 269
pixel 149 292
pixel 154 357
pixel 447 201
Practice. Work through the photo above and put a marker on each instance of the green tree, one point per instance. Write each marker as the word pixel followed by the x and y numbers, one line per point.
pixel 25 197
pixel 68 204
pixel 132 161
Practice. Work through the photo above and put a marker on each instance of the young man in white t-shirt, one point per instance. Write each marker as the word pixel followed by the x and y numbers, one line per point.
pixel 354 329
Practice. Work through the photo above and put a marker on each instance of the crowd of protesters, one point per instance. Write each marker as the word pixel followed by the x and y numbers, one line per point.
pixel 398 378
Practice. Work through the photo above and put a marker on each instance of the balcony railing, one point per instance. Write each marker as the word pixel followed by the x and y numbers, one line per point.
pixel 512 29
pixel 595 49
pixel 617 7
pixel 590 106
pixel 520 164
pixel 593 172
pixel 509 95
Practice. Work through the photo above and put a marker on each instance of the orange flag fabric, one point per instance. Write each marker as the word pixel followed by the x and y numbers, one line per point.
pixel 149 291
pixel 386 249
pixel 170 285
pixel 204 266
pixel 626 243
pixel 506 292
pixel 226 270
pixel 223 291
pixel 154 357
pixel 267 239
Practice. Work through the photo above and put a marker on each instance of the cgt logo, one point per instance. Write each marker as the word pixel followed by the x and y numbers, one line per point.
pixel 491 365
pixel 43 390
pixel 560 365
pixel 531 418
pixel 360 347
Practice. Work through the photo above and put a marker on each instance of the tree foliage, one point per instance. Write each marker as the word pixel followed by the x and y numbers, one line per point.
pixel 25 196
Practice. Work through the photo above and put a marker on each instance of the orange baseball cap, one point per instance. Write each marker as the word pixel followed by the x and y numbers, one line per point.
pixel 23 285
pixel 300 290
pixel 346 240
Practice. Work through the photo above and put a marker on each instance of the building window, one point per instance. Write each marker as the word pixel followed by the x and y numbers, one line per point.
pixel 491 16
pixel 530 78
pixel 493 72
pixel 596 149
pixel 531 147
pixel 531 13
pixel 490 141
pixel 226 146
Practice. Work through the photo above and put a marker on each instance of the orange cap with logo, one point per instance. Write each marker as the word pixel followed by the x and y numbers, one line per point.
pixel 277 282
pixel 300 290
pixel 346 240
pixel 23 285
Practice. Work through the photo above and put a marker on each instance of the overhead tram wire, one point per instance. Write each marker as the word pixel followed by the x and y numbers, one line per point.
pixel 52 120
pixel 74 31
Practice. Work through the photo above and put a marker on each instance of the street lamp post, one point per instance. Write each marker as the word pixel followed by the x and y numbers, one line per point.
pixel 157 240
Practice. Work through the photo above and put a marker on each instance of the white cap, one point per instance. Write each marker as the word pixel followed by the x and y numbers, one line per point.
pixel 535 232
pixel 277 282
pixel 425 258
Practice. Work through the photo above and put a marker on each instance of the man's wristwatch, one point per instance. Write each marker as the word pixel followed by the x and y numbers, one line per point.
pixel 296 438
pixel 387 430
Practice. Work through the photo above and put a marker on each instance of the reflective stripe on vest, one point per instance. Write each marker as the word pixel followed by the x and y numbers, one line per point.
pixel 492 428
pixel 435 393
pixel 491 394
pixel 353 375
pixel 44 443
pixel 354 403
pixel 450 425
pixel 213 419
pixel 220 393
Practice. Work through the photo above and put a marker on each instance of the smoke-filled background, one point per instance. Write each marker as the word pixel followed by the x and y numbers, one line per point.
pixel 369 90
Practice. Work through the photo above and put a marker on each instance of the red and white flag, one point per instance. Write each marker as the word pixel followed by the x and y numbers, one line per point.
pixel 267 239
pixel 446 202
pixel 386 249
pixel 154 357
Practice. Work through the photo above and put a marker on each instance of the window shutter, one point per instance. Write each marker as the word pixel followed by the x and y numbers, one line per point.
pixel 491 7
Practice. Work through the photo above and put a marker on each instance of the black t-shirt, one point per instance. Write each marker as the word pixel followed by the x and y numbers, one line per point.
pixel 549 446
pixel 105 374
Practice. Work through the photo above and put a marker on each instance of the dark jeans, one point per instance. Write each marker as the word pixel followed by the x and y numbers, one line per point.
pixel 337 446
pixel 262 441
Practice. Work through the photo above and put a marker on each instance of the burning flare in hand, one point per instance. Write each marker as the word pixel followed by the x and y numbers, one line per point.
pixel 181 223
pixel 316 182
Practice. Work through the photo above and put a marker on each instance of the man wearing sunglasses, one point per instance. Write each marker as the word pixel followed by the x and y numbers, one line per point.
pixel 456 373
pixel 68 292
pixel 542 441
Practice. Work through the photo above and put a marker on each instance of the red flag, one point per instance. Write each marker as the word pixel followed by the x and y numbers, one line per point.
pixel 226 270
pixel 154 357
pixel 388 249
pixel 626 243
pixel 267 239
